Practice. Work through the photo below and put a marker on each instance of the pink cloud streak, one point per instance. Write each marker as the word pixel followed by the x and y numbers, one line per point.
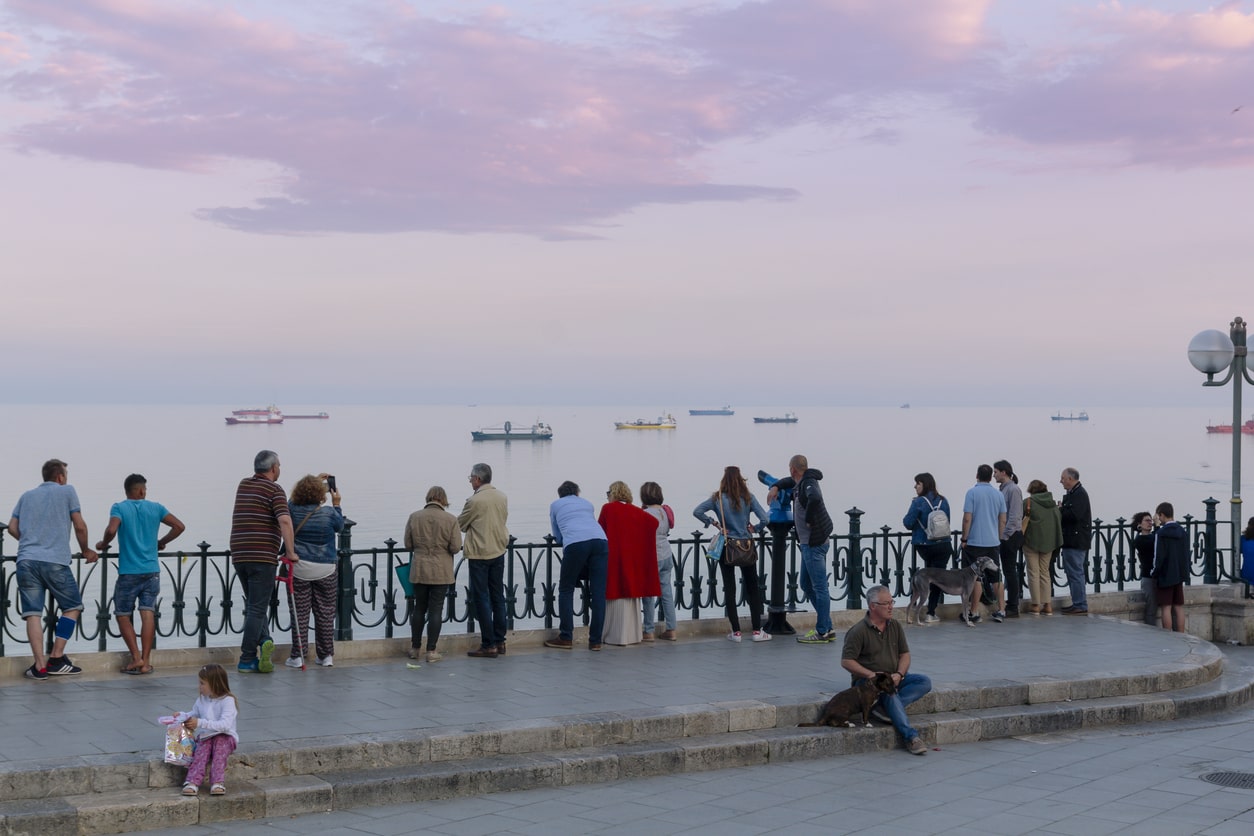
pixel 409 122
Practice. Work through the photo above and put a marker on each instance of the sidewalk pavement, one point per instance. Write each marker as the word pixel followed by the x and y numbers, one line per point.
pixel 1142 780
pixel 108 714
pixel 1068 782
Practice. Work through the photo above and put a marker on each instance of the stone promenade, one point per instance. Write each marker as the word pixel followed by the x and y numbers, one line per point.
pixel 80 754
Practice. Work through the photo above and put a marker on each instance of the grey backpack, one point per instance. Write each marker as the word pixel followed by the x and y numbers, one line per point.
pixel 937 525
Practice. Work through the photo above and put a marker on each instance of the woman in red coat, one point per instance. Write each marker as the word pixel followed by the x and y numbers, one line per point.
pixel 632 573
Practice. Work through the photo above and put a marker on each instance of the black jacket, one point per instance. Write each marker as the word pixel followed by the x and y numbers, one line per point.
pixel 809 505
pixel 1077 519
pixel 1171 555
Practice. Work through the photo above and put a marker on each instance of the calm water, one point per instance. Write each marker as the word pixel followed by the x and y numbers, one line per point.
pixel 385 458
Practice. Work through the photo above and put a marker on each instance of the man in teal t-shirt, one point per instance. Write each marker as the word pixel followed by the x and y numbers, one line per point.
pixel 135 521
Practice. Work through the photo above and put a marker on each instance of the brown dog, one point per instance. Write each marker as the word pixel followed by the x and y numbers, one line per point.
pixel 842 708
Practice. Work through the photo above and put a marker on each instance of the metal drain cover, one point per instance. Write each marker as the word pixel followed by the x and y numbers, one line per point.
pixel 1239 780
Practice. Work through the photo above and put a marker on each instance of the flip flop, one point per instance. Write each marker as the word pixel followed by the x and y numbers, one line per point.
pixel 138 671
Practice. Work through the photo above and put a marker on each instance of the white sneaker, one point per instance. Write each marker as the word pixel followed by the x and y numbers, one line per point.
pixel 931 619
pixel 734 636
pixel 759 636
pixel 327 661
pixel 295 662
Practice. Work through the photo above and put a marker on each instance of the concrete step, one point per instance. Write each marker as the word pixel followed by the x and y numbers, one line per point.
pixel 321 774
pixel 950 702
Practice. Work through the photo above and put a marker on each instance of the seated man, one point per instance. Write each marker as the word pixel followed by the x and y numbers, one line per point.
pixel 877 643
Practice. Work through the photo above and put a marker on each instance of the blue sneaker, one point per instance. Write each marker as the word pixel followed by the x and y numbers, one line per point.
pixel 247 667
pixel 264 665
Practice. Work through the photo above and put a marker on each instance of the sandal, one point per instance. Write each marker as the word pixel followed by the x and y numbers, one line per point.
pixel 190 789
pixel 217 789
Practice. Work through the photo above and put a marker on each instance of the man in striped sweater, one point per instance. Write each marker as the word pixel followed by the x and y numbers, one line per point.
pixel 260 523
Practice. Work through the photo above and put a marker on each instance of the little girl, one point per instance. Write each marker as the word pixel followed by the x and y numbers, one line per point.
pixel 212 720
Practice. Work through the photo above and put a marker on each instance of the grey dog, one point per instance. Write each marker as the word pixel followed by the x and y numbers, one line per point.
pixel 952 581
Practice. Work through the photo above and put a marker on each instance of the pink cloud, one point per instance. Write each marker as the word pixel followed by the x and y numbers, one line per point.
pixel 399 121
pixel 1141 86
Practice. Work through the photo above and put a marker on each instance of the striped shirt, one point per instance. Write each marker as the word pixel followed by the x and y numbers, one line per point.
pixel 255 536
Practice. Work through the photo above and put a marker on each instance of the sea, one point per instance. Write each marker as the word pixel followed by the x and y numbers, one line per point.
pixel 386 457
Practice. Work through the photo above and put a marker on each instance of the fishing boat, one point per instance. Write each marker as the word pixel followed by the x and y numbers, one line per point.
pixel 1083 416
pixel 725 410
pixel 269 415
pixel 1226 429
pixel 539 431
pixel 786 418
pixel 666 423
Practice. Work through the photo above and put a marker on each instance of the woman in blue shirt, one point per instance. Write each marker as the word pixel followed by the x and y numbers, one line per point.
pixel 731 505
pixel 935 554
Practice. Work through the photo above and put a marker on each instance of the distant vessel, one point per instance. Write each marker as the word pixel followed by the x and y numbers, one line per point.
pixel 317 415
pixel 666 423
pixel 1226 429
pixel 269 415
pixel 726 410
pixel 1083 416
pixel 905 406
pixel 788 418
pixel 539 431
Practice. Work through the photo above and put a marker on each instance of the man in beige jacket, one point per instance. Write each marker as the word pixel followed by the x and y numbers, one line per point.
pixel 483 522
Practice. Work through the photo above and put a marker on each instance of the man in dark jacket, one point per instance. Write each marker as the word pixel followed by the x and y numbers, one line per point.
pixel 1077 532
pixel 814 533
pixel 1171 566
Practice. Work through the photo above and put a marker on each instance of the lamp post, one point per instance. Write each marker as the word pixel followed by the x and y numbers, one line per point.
pixel 1212 352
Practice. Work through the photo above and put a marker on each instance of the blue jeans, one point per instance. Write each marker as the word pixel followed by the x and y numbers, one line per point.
pixel 146 588
pixel 814 584
pixel 257 580
pixel 1073 566
pixel 487 591
pixel 912 687
pixel 593 557
pixel 36 578
pixel 665 573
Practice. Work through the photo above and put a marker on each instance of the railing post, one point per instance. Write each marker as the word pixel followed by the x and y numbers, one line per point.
pixel 550 599
pixel 510 597
pixel 1210 559
pixel 853 601
pixel 344 601
pixel 389 597
pixel 102 612
pixel 202 611
pixel 1095 563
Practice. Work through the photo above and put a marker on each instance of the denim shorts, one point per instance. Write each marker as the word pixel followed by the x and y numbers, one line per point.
pixel 145 587
pixel 36 578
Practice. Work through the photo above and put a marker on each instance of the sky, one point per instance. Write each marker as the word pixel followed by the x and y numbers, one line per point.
pixel 829 202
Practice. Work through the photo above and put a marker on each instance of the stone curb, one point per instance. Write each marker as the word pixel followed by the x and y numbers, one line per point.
pixel 317 755
pixel 140 809
pixel 340 773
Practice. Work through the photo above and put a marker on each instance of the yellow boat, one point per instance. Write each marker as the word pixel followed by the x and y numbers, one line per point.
pixel 667 423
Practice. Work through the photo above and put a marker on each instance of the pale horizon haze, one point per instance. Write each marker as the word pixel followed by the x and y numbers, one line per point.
pixel 798 202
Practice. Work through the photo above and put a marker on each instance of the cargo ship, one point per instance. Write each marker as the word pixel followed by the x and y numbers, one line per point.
pixel 269 415
pixel 666 423
pixel 786 418
pixel 1226 429
pixel 726 410
pixel 1083 416
pixel 539 431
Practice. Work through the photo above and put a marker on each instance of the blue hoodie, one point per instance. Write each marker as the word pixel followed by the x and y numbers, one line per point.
pixel 781 509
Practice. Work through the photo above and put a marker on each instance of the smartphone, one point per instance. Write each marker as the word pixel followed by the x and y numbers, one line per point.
pixel 331 484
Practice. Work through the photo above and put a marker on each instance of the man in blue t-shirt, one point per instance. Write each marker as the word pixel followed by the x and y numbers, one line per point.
pixel 135 521
pixel 983 519
pixel 41 525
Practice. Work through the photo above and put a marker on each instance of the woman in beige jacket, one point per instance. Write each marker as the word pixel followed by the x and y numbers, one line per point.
pixel 433 537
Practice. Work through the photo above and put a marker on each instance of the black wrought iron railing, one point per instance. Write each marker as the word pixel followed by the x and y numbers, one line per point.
pixel 202 602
